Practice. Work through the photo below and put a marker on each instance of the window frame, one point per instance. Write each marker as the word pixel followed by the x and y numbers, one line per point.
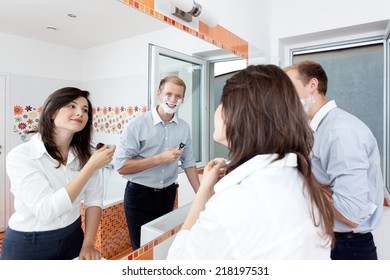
pixel 337 45
pixel 154 80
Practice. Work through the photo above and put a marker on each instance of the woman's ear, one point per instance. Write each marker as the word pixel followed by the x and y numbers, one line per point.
pixel 54 115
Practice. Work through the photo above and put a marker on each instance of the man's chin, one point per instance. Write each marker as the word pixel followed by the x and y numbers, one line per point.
pixel 169 110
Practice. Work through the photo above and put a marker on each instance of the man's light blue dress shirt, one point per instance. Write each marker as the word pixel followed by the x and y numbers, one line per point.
pixel 346 157
pixel 147 136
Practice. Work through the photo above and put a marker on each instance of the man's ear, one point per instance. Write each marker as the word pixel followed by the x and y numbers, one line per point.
pixel 158 94
pixel 313 84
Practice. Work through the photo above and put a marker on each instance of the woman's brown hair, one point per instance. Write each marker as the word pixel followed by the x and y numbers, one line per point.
pixel 81 140
pixel 263 115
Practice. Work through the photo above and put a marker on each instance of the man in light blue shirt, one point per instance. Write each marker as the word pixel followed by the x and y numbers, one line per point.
pixel 346 160
pixel 148 155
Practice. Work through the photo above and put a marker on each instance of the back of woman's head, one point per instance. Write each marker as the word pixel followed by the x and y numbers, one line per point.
pixel 81 140
pixel 263 115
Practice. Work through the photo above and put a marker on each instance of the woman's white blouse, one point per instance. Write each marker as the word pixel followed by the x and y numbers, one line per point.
pixel 40 199
pixel 258 211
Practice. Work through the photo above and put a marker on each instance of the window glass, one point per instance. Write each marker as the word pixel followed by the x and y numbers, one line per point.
pixel 355 82
pixel 192 71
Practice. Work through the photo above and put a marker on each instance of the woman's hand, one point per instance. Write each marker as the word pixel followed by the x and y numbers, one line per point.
pixel 102 157
pixel 88 252
pixel 212 172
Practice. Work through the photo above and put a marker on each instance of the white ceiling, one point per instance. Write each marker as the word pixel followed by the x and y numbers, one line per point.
pixel 97 22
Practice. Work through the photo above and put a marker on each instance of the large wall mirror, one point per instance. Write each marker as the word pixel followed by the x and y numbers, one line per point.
pixel 101 46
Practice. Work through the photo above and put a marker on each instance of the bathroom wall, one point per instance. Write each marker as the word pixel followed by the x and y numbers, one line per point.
pixel 324 22
pixel 36 69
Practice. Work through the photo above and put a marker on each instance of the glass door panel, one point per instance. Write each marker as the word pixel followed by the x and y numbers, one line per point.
pixel 164 62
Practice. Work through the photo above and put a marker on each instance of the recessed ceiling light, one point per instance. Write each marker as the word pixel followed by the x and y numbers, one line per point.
pixel 51 28
pixel 72 15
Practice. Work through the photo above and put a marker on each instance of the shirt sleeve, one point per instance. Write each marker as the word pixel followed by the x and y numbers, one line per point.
pixel 128 146
pixel 347 166
pixel 93 195
pixel 207 239
pixel 30 185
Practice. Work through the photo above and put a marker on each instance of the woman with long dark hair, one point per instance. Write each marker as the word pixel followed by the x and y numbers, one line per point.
pixel 50 175
pixel 268 205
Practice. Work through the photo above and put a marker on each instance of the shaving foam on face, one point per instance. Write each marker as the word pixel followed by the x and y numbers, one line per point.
pixel 166 105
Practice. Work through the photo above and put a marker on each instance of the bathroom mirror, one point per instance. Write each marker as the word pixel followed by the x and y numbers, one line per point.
pixel 109 40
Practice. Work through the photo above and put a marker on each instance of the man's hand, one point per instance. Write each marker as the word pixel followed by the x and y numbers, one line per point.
pixel 169 155
pixel 337 215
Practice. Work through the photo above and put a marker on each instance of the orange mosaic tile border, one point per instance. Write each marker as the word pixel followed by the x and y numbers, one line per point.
pixel 146 251
pixel 217 36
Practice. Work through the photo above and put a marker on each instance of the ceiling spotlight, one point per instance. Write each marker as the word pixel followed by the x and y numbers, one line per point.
pixel 52 28
pixel 72 15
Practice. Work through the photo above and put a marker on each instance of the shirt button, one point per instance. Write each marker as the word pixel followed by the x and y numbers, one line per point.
pixel 163 170
pixel 161 182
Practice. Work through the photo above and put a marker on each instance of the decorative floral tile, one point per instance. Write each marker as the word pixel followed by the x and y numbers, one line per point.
pixel 111 120
pixel 26 119
pixel 106 119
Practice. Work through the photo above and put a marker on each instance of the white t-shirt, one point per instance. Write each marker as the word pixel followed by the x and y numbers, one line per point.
pixel 40 199
pixel 258 211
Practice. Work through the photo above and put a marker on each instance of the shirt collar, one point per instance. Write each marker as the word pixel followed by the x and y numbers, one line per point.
pixel 322 112
pixel 157 119
pixel 38 149
pixel 250 166
pixel 37 146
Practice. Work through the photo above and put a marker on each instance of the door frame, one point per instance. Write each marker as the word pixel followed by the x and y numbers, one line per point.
pixel 6 199
pixel 386 101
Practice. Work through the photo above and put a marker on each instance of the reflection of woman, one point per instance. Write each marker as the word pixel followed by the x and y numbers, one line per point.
pixel 50 175
pixel 269 205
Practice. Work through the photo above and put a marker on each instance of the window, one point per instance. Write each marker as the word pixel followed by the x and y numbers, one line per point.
pixel 356 81
pixel 193 71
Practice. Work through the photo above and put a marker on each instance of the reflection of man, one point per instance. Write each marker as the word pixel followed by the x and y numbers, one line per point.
pixel 345 158
pixel 148 156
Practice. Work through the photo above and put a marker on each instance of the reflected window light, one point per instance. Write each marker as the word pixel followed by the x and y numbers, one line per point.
pixel 224 67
